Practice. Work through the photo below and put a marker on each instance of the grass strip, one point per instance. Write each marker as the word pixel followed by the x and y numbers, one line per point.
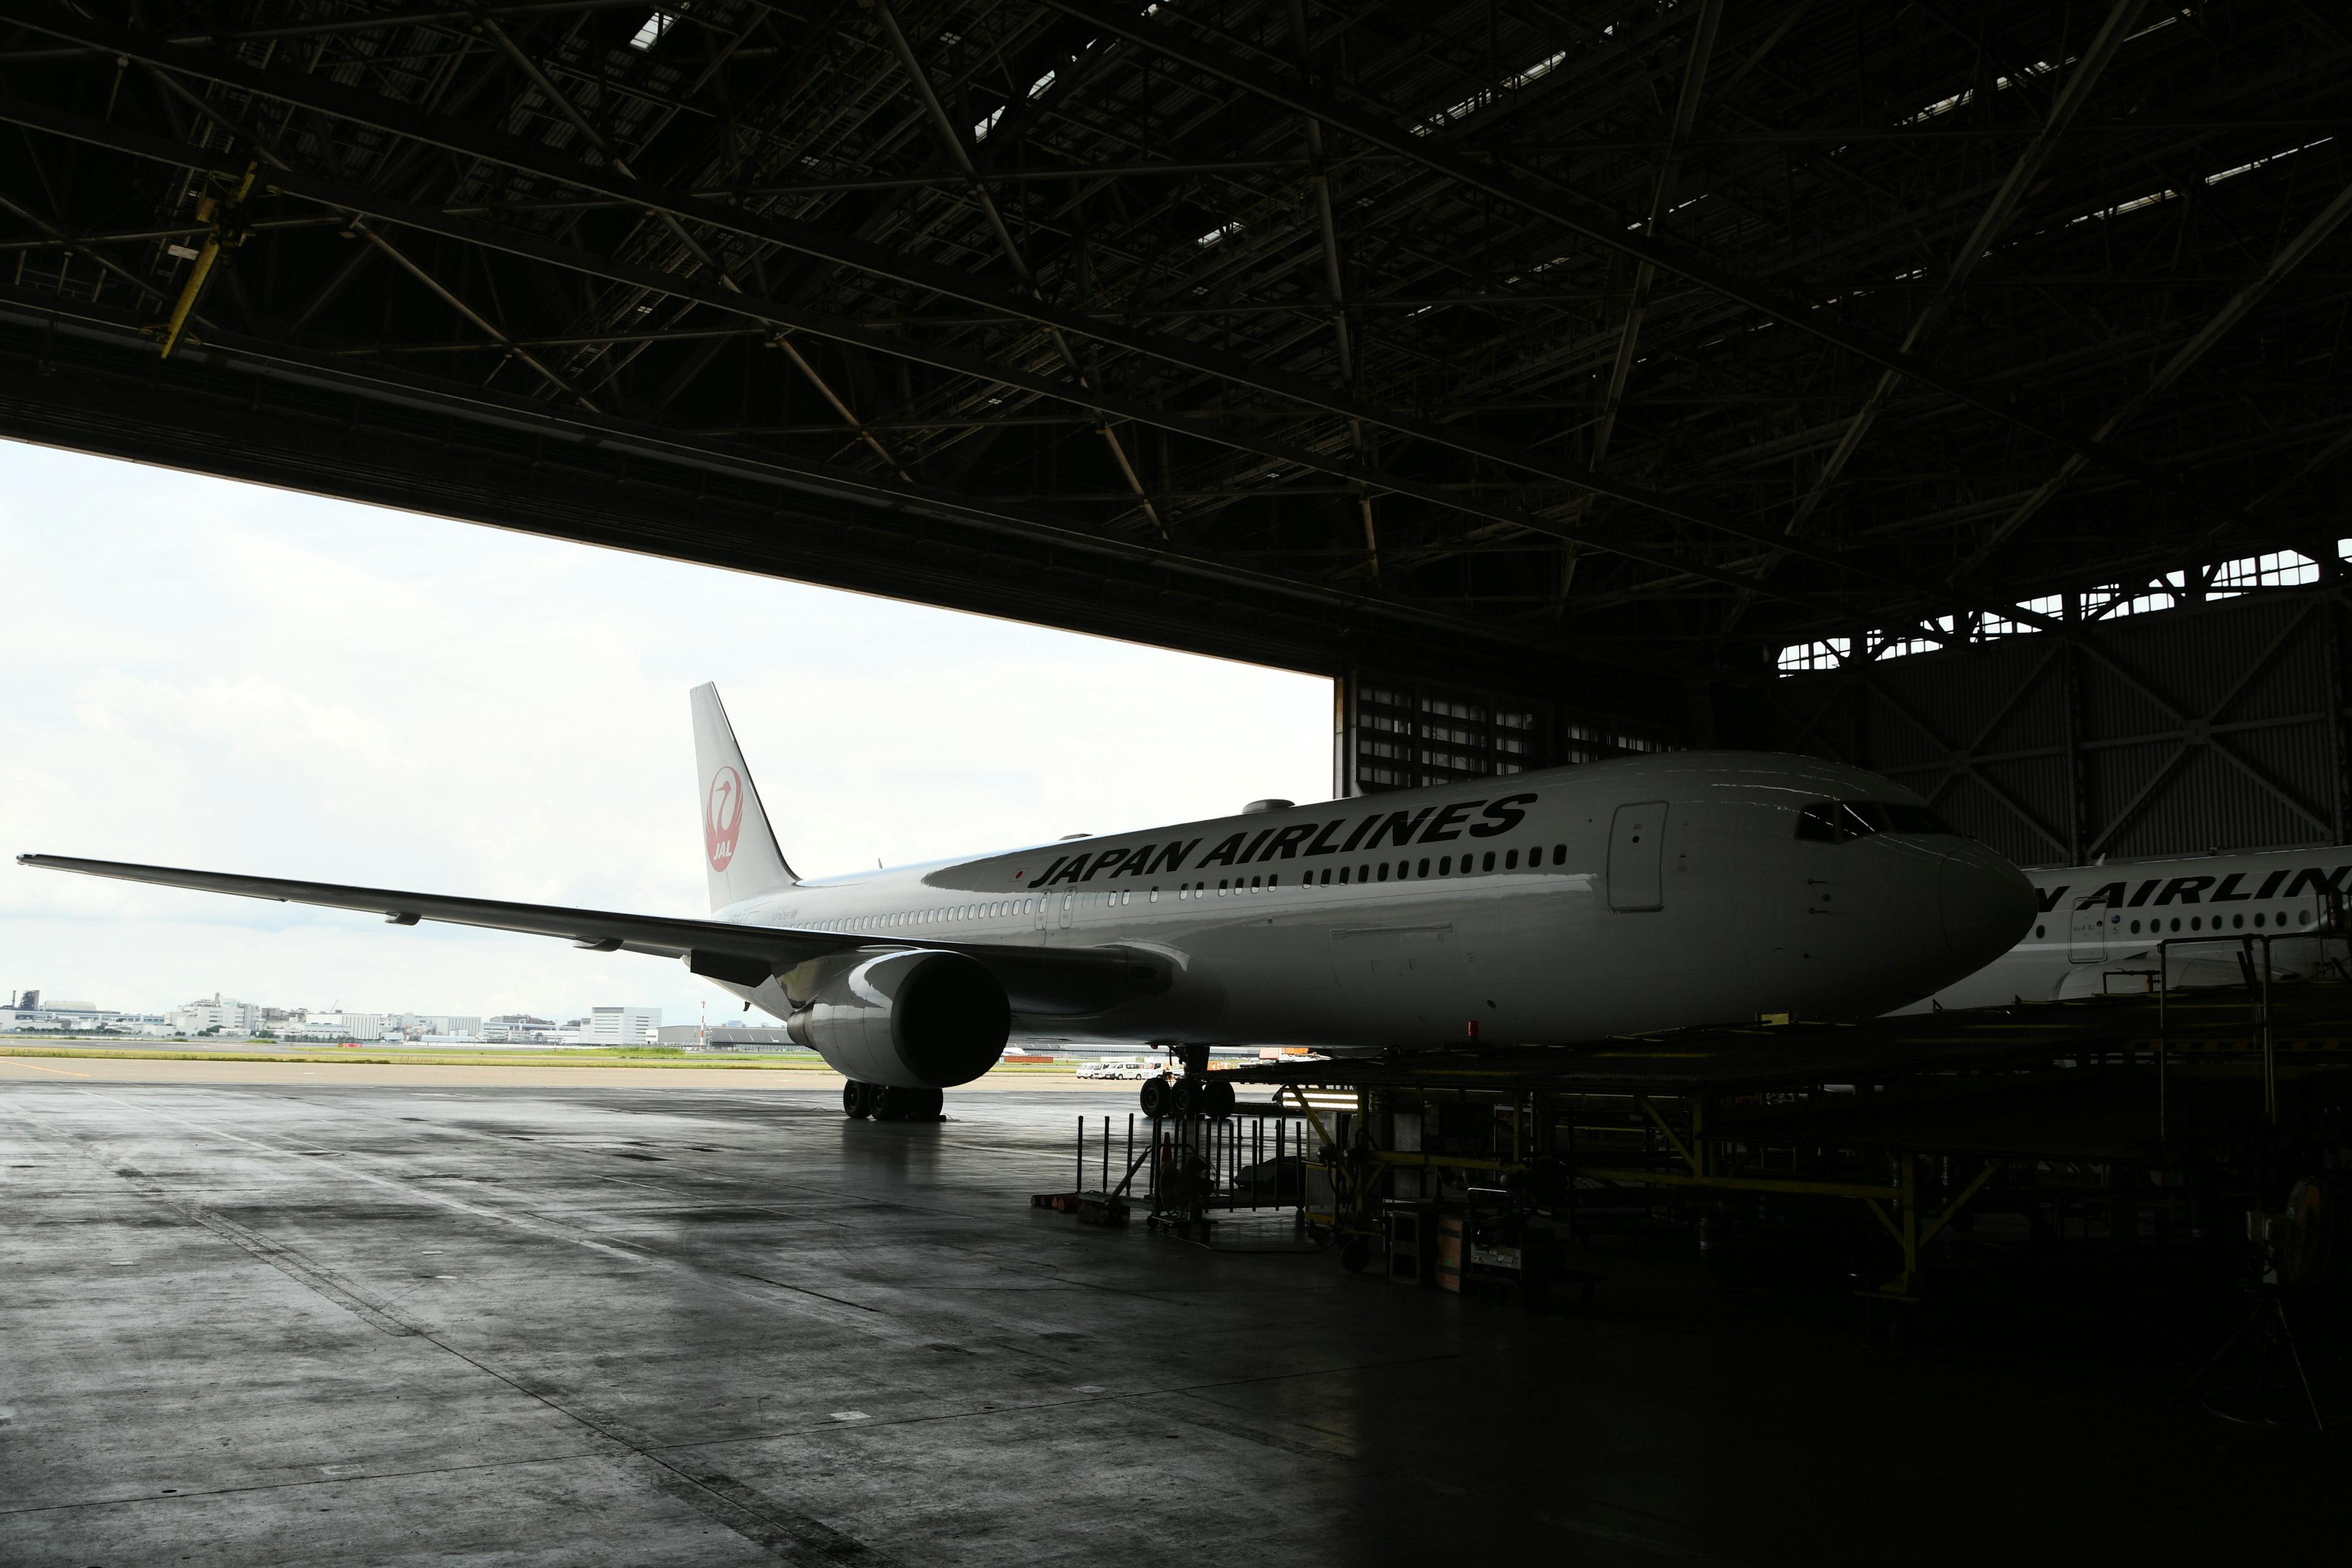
pixel 485 1059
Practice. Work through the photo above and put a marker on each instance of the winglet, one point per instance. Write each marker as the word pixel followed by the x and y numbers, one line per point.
pixel 739 848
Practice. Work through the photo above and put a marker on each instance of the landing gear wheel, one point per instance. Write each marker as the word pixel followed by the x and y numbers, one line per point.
pixel 1216 1098
pixel 1356 1254
pixel 1186 1100
pixel 855 1102
pixel 1159 1097
pixel 892 1103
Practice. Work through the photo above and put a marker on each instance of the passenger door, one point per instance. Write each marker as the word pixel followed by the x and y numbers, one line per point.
pixel 1637 845
pixel 2086 935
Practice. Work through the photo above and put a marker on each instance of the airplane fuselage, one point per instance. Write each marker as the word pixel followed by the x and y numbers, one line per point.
pixel 2098 926
pixel 1554 906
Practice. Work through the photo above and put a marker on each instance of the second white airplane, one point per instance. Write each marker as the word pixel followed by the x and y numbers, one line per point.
pixel 1550 906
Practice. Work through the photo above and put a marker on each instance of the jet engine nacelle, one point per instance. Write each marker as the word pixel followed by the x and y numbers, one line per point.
pixel 908 1018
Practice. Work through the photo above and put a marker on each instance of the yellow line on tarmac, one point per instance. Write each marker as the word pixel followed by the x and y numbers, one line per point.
pixel 37 1068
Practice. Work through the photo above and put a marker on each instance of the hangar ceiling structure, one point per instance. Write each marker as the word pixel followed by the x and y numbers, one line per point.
pixel 1580 356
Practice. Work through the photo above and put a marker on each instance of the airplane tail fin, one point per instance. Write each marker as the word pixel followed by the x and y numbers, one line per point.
pixel 739 848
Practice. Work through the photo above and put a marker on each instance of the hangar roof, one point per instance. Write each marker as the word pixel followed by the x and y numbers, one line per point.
pixel 1621 339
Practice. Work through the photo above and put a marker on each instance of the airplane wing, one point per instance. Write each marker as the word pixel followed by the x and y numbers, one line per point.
pixel 1063 981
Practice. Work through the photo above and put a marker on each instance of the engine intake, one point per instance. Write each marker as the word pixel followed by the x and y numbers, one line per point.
pixel 911 1018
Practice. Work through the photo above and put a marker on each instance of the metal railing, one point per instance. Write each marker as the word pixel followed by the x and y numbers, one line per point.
pixel 2258 988
pixel 1190 1166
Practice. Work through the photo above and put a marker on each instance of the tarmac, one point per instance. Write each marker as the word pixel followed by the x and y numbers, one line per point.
pixel 490 1074
pixel 280 1313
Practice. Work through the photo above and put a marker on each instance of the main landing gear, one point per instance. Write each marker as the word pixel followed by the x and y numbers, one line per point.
pixel 1194 1094
pixel 886 1102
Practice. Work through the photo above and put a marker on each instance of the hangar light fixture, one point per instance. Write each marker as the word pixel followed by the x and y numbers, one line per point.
pixel 651 33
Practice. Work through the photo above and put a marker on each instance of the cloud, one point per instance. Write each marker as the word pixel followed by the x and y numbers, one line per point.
pixel 210 674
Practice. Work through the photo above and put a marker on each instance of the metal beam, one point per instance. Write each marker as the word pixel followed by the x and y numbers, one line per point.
pixel 2241 305
pixel 1523 188
pixel 327 98
pixel 1661 199
pixel 2082 77
pixel 787 318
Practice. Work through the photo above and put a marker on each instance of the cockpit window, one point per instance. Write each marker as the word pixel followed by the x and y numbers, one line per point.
pixel 1836 821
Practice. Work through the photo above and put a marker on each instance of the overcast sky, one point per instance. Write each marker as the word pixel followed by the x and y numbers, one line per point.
pixel 206 674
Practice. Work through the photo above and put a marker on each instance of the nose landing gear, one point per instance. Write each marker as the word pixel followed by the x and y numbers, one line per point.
pixel 889 1102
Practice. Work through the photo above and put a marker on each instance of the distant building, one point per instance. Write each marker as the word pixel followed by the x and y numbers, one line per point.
pixel 522 1028
pixel 336 1025
pixel 620 1026
pixel 734 1036
pixel 29 1013
pixel 225 1014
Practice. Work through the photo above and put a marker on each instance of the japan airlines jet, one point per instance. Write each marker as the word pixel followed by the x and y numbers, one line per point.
pixel 1688 887
pixel 2098 926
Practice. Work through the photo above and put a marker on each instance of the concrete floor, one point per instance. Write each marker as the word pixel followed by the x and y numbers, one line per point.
pixel 369 1324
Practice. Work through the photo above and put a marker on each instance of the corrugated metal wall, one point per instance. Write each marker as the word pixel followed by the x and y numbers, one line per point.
pixel 2217 725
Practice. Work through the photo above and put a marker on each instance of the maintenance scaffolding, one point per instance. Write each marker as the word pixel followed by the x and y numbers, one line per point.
pixel 2120 1121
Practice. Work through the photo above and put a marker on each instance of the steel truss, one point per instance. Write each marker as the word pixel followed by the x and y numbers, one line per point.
pixel 1586 352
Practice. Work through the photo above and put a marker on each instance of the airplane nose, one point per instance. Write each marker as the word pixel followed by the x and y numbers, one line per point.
pixel 1987 904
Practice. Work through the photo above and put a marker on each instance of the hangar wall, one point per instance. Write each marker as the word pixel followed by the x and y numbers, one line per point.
pixel 1395 730
pixel 2215 725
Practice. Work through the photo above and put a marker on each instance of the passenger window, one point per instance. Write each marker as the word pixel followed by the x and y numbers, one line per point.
pixel 1489 860
pixel 1327 876
pixel 1274 880
pixel 1424 870
pixel 1445 865
pixel 1222 883
pixel 1253 881
pixel 1560 853
pixel 1511 860
pixel 1343 876
pixel 1384 870
pixel 1363 873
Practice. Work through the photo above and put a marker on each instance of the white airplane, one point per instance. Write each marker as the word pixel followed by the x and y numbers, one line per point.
pixel 1688 887
pixel 2098 926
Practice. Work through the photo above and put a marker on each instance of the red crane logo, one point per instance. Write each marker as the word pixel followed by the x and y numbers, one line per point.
pixel 722 816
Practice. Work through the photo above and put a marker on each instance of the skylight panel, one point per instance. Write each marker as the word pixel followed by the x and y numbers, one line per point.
pixel 1485 96
pixel 1220 234
pixel 651 33
pixel 2120 208
pixel 2259 162
pixel 2280 569
pixel 1968 95
pixel 980 132
pixel 1914 639
pixel 1995 624
pixel 2114 599
pixel 1826 654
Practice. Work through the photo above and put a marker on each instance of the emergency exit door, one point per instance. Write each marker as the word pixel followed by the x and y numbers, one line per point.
pixel 1637 847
